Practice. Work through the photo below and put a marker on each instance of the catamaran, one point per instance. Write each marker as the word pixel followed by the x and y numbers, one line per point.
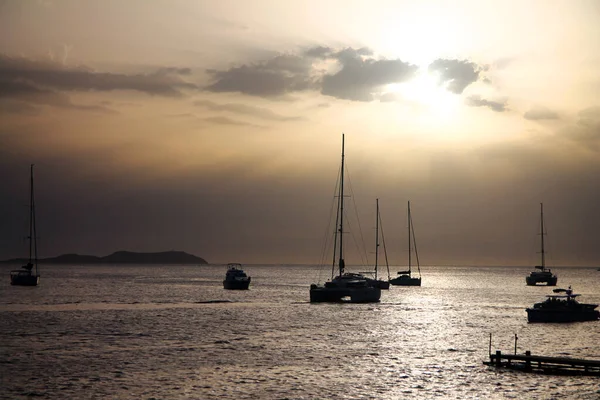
pixel 354 288
pixel 541 274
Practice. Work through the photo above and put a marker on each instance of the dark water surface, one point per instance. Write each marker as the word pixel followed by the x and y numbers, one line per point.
pixel 173 332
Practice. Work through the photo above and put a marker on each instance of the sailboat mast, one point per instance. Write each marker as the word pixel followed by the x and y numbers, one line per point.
pixel 341 260
pixel 376 237
pixel 542 234
pixel 32 228
pixel 409 239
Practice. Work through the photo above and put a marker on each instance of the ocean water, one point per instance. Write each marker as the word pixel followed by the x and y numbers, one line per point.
pixel 173 332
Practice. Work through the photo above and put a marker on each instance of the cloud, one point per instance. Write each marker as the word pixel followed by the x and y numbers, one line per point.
pixel 477 101
pixel 456 75
pixel 361 76
pixel 26 91
pixel 590 117
pixel 586 131
pixel 52 75
pixel 540 113
pixel 358 75
pixel 18 108
pixel 257 112
pixel 275 77
pixel 229 121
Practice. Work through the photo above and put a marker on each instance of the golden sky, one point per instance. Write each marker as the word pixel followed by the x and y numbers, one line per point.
pixel 214 127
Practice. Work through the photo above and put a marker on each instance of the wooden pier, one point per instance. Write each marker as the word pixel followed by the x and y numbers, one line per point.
pixel 542 364
pixel 545 365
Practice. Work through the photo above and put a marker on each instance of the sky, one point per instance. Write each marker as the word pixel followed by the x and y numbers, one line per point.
pixel 215 127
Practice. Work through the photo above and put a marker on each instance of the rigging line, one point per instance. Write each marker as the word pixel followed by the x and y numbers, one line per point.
pixel 355 241
pixel 362 238
pixel 412 228
pixel 340 189
pixel 387 264
pixel 327 235
pixel 548 255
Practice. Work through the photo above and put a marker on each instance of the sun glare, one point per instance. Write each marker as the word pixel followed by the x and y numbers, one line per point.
pixel 425 91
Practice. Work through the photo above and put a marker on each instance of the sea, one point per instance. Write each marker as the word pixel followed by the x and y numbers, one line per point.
pixel 173 332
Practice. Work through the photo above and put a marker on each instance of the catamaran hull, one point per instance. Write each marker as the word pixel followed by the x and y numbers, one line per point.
pixel 534 315
pixel 382 285
pixel 405 280
pixel 533 281
pixel 320 294
pixel 24 280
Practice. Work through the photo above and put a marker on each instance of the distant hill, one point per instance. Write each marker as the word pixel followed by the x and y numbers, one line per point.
pixel 120 257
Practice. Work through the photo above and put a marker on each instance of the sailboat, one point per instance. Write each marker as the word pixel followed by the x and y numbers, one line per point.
pixel 379 282
pixel 350 287
pixel 25 276
pixel 541 274
pixel 405 278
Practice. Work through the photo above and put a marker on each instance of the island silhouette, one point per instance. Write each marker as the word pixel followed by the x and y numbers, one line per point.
pixel 120 257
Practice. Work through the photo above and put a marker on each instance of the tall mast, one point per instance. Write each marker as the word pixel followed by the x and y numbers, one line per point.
pixel 409 238
pixel 32 230
pixel 341 260
pixel 542 234
pixel 376 236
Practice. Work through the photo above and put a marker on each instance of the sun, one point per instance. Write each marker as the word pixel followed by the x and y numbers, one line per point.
pixel 425 91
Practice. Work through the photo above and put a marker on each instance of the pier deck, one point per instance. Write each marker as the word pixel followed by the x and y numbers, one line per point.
pixel 543 364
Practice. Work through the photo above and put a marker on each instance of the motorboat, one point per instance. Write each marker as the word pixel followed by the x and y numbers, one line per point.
pixel 562 307
pixel 236 278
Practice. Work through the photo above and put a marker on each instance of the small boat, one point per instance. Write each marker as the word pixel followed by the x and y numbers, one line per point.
pixel 350 287
pixel 405 278
pixel 562 308
pixel 236 278
pixel 26 276
pixel 541 274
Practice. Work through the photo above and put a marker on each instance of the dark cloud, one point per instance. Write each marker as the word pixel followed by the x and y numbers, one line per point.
pixel 257 112
pixel 358 77
pixel 318 52
pixel 27 92
pixel 275 77
pixel 456 75
pixel 540 113
pixel 57 76
pixel 477 101
pixel 18 108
